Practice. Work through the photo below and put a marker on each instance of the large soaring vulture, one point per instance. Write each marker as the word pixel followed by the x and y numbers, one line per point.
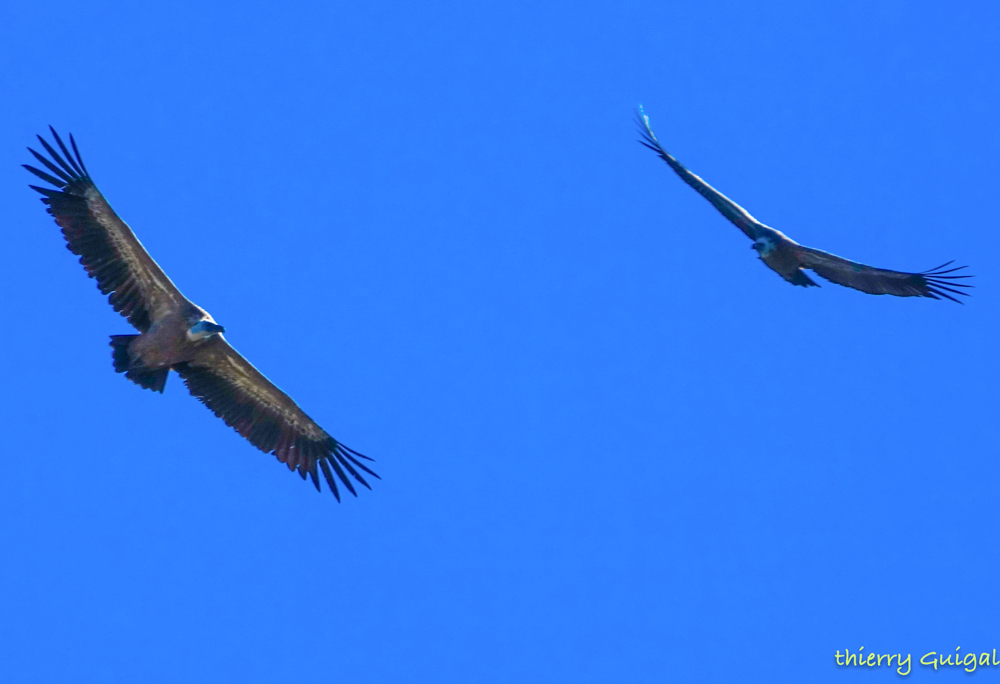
pixel 177 334
pixel 788 258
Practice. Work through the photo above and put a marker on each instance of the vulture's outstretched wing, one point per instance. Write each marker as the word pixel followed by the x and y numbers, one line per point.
pixel 934 283
pixel 108 249
pixel 253 406
pixel 730 209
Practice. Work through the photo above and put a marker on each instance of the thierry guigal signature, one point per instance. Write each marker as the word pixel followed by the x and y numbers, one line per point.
pixel 903 663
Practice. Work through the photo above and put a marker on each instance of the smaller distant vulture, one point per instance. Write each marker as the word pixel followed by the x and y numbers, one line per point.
pixel 177 334
pixel 787 257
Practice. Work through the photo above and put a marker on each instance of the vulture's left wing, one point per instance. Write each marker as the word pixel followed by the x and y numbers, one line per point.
pixel 730 209
pixel 935 283
pixel 108 249
pixel 252 405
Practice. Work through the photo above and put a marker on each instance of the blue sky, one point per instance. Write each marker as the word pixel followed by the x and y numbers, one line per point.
pixel 614 446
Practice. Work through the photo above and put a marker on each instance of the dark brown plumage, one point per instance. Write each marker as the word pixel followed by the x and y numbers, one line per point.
pixel 179 335
pixel 788 258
